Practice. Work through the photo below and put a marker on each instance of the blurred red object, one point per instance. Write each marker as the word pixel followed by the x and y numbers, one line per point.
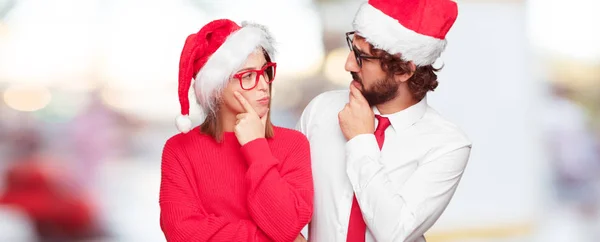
pixel 57 209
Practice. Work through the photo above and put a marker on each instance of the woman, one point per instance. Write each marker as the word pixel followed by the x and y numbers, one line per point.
pixel 236 177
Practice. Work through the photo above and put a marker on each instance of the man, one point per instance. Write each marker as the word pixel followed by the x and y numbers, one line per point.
pixel 367 189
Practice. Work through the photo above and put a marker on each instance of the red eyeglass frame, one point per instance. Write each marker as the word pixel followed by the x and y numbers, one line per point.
pixel 259 73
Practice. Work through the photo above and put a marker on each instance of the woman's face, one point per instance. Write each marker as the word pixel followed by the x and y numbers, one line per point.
pixel 253 86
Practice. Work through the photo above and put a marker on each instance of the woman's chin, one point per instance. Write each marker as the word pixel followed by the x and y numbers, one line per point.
pixel 261 111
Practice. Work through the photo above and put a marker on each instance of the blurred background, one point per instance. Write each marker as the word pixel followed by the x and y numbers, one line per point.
pixel 88 96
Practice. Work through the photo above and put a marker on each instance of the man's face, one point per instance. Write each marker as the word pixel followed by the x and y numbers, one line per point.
pixel 376 86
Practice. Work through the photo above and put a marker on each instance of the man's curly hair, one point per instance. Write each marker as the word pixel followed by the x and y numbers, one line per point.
pixel 423 80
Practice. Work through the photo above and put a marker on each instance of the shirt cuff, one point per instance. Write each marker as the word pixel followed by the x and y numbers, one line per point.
pixel 362 154
pixel 257 150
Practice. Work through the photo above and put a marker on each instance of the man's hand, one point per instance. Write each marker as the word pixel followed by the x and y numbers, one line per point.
pixel 300 238
pixel 248 126
pixel 357 117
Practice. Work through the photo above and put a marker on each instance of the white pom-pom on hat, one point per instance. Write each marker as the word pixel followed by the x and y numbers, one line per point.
pixel 183 122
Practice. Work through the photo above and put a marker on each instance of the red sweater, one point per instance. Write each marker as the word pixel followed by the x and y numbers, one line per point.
pixel 262 191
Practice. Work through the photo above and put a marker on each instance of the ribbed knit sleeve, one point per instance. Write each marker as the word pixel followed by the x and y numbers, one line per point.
pixel 280 195
pixel 182 217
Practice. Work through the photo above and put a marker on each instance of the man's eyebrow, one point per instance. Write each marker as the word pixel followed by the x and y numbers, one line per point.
pixel 359 50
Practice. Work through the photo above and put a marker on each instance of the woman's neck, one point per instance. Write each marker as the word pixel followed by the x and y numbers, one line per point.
pixel 227 120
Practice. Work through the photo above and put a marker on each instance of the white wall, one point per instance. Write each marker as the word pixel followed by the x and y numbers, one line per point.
pixel 488 88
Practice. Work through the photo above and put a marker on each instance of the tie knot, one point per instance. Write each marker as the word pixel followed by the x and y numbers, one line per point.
pixel 383 123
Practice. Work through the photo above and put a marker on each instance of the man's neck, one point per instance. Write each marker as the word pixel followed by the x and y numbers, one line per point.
pixel 397 104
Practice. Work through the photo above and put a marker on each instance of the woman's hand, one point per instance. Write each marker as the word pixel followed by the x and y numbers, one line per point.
pixel 249 126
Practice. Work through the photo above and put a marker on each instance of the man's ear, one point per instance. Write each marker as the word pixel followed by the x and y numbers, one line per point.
pixel 404 77
pixel 413 67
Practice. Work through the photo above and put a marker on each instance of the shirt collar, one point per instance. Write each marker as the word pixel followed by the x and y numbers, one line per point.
pixel 407 117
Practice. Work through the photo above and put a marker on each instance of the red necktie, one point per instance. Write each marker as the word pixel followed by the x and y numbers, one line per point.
pixel 357 226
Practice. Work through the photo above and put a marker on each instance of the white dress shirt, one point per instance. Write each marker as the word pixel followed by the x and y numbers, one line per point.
pixel 402 189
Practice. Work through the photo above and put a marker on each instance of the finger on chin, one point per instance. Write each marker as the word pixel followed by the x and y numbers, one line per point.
pixel 245 104
pixel 356 95
pixel 356 92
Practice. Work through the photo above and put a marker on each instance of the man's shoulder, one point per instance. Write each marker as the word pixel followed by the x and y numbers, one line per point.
pixel 335 94
pixel 442 129
pixel 323 108
pixel 331 97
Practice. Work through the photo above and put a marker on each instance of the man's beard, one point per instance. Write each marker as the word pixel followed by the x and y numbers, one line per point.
pixel 380 92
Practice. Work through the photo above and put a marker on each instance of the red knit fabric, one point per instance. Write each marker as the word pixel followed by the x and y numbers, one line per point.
pixel 212 191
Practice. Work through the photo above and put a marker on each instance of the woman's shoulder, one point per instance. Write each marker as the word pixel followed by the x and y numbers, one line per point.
pixel 289 143
pixel 287 135
pixel 287 132
pixel 183 139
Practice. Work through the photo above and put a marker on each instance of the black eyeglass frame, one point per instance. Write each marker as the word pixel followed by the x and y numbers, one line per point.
pixel 357 53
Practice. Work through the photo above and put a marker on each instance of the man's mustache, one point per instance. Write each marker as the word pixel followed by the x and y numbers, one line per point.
pixel 355 77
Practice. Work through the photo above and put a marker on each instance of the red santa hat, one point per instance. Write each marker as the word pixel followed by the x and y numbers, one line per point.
pixel 416 29
pixel 211 56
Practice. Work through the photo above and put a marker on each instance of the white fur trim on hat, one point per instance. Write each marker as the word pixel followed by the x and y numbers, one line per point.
pixel 386 33
pixel 229 58
pixel 183 122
